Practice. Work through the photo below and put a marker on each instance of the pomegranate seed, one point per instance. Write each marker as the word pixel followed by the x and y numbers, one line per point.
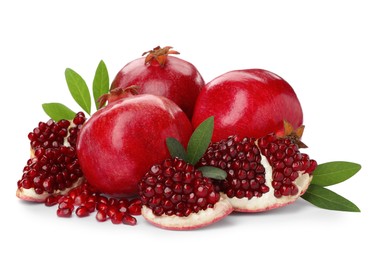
pixel 129 220
pixel 82 211
pixel 101 216
pixel 135 207
pixel 51 201
pixel 117 217
pixel 112 210
pixel 64 212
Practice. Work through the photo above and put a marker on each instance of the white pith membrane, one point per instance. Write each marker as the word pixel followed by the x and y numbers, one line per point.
pixel 31 195
pixel 221 209
pixel 268 201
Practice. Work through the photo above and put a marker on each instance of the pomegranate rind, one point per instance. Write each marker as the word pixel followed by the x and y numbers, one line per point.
pixel 30 195
pixel 268 201
pixel 194 221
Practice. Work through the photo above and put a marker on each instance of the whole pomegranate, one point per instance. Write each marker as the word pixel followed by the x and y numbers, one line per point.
pixel 252 102
pixel 121 141
pixel 160 74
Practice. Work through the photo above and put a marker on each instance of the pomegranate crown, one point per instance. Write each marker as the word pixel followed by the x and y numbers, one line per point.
pixel 159 54
pixel 294 135
pixel 117 93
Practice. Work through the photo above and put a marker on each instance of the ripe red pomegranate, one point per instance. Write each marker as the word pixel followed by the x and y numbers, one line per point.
pixel 176 196
pixel 264 173
pixel 121 141
pixel 53 167
pixel 160 74
pixel 251 102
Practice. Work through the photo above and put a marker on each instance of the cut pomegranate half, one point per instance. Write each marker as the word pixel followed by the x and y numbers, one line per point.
pixel 176 196
pixel 262 174
pixel 53 167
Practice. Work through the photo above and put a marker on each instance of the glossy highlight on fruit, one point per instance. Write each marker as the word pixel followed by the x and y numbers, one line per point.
pixel 252 102
pixel 121 141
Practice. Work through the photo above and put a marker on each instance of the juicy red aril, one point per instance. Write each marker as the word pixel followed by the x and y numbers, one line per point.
pixel 129 220
pixel 82 211
pixel 116 218
pixel 135 207
pixel 178 189
pixel 101 216
pixel 65 212
pixel 241 159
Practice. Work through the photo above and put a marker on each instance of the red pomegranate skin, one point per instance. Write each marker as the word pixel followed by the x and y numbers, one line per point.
pixel 121 141
pixel 177 80
pixel 252 102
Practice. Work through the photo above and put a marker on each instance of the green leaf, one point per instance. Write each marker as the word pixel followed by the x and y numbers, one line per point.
pixel 334 172
pixel 327 199
pixel 78 89
pixel 100 85
pixel 58 111
pixel 213 172
pixel 199 140
pixel 176 149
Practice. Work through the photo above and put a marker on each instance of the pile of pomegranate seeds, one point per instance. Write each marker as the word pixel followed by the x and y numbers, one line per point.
pixel 85 200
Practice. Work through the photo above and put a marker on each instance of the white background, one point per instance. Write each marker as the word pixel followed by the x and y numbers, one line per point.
pixel 324 49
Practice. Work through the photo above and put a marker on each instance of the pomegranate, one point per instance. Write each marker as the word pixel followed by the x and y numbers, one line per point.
pixel 176 196
pixel 251 102
pixel 160 74
pixel 118 144
pixel 262 174
pixel 53 167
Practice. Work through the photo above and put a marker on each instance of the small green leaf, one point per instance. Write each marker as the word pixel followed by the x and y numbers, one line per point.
pixel 334 172
pixel 78 89
pixel 199 140
pixel 327 199
pixel 100 85
pixel 213 172
pixel 58 111
pixel 176 149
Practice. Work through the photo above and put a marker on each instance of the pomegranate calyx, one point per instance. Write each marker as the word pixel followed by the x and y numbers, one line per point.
pixel 159 55
pixel 294 135
pixel 117 93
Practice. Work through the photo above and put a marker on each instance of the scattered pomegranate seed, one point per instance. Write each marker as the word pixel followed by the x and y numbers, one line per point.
pixel 87 200
pixel 101 216
pixel 64 212
pixel 82 211
pixel 129 220
pixel 135 207
pixel 117 217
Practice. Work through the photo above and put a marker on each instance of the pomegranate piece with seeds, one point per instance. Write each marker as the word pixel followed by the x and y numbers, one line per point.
pixel 160 74
pixel 176 196
pixel 53 167
pixel 262 174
